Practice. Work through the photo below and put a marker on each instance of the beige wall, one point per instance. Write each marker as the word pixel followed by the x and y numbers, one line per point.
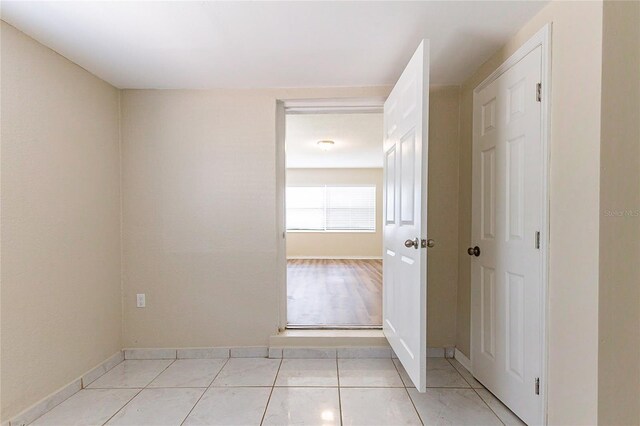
pixel 574 210
pixel 337 244
pixel 442 215
pixel 199 221
pixel 61 304
pixel 199 229
pixel 197 166
pixel 619 310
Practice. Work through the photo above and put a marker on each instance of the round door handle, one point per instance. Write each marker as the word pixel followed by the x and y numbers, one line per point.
pixel 431 243
pixel 474 251
pixel 412 243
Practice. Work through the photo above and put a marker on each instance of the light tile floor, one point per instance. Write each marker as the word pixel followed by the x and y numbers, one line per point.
pixel 262 391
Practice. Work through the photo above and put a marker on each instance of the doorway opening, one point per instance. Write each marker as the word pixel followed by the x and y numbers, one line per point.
pixel 333 216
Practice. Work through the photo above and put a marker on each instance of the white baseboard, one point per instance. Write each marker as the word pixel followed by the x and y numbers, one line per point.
pixel 197 353
pixel 294 351
pixel 47 403
pixel 150 353
pixel 462 359
pixel 334 257
pixel 101 369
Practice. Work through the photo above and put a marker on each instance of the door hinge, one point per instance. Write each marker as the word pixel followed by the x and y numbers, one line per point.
pixel 538 239
pixel 537 385
pixel 539 92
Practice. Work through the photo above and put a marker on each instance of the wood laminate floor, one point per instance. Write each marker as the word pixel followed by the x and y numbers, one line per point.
pixel 323 292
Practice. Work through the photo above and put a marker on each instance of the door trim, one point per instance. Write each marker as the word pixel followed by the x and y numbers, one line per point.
pixel 284 107
pixel 335 106
pixel 540 39
pixel 281 231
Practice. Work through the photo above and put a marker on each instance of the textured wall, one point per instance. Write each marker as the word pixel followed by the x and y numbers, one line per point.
pixel 61 304
pixel 619 319
pixel 574 211
pixel 200 232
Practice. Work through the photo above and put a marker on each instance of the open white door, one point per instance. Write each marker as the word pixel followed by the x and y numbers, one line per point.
pixel 406 131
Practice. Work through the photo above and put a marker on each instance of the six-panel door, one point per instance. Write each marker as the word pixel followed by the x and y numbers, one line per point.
pixel 405 195
pixel 507 210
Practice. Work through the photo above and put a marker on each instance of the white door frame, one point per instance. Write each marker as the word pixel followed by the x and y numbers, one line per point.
pixel 543 39
pixel 303 106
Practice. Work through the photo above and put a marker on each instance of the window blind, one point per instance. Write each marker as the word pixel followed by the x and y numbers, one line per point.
pixel 331 208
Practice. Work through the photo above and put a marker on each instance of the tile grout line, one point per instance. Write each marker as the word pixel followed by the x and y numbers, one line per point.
pixel 140 391
pixel 408 394
pixel 488 406
pixel 205 391
pixel 339 388
pixel 278 386
pixel 273 386
pixel 89 384
pixel 218 373
pixel 339 392
pixel 82 387
pixel 51 409
pixel 475 391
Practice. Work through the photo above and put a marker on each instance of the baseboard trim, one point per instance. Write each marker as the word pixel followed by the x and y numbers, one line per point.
pixel 46 404
pixel 150 353
pixel 276 351
pixel 57 397
pixel 462 359
pixel 334 257
pixel 101 369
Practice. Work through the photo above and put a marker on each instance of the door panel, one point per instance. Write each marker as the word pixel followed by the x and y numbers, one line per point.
pixel 506 351
pixel 390 189
pixel 407 182
pixel 405 196
pixel 488 195
pixel 488 311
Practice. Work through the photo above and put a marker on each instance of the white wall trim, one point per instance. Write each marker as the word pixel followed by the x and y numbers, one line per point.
pixel 281 211
pixel 303 106
pixel 335 106
pixel 52 400
pixel 150 353
pixel 542 38
pixel 462 359
pixel 204 353
pixel 57 397
pixel 102 368
pixel 342 352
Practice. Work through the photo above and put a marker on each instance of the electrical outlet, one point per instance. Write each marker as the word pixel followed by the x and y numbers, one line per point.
pixel 140 300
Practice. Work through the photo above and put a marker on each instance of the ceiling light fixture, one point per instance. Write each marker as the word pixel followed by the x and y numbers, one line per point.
pixel 325 145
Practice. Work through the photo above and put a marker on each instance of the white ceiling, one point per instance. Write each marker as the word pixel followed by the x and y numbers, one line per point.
pixel 201 44
pixel 357 137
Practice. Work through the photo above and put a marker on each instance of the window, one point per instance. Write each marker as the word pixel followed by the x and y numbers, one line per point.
pixel 331 208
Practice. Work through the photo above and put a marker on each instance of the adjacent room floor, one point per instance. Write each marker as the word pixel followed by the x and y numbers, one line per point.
pixel 324 292
pixel 262 391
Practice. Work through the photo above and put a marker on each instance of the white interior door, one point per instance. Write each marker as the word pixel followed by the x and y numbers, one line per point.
pixel 406 113
pixel 506 273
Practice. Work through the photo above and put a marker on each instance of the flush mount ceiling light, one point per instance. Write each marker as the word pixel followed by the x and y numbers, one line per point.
pixel 325 145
